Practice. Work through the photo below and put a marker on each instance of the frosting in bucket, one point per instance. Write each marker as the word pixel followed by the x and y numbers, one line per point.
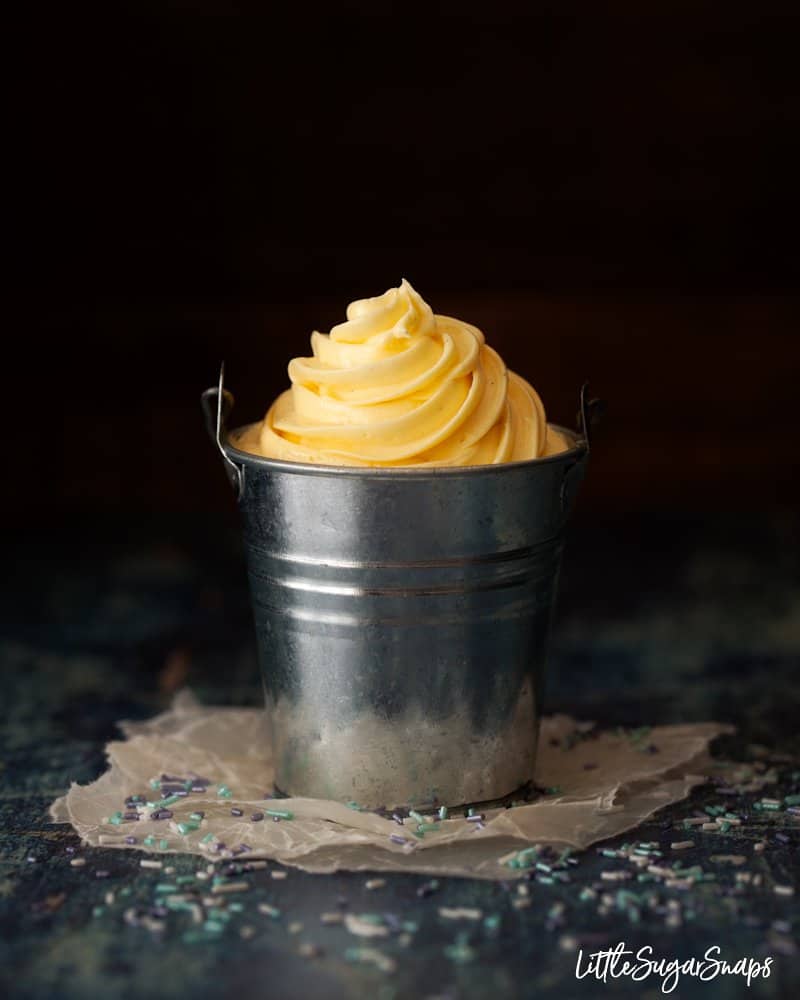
pixel 396 385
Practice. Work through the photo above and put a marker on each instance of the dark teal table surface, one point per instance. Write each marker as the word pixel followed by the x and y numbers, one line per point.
pixel 662 619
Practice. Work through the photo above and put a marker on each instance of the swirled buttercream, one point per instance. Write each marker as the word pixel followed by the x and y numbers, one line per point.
pixel 396 385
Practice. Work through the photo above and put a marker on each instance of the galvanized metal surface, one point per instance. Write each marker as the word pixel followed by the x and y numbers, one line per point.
pixel 402 619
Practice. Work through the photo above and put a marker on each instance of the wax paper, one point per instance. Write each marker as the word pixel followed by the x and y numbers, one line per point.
pixel 599 784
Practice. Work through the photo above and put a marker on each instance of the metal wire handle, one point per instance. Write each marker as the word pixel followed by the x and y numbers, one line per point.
pixel 217 404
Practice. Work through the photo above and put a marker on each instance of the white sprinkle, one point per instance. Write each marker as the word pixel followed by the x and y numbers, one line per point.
pixel 109 898
pixel 247 932
pixel 230 887
pixel 681 845
pixel 783 890
pixel 256 865
pixel 147 863
pixel 732 859
pixel 460 913
pixel 521 902
pixel 759 846
pixel 106 841
pixel 709 826
pixel 523 889
pixel 202 876
pixel 615 876
pixel 278 874
pixel 375 883
pixel 170 870
pixel 78 862
pixel 363 928
pixel 331 917
pixel 295 927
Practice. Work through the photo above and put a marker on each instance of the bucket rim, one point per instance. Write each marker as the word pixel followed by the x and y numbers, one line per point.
pixel 576 453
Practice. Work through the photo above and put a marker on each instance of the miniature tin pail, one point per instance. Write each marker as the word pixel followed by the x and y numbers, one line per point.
pixel 402 617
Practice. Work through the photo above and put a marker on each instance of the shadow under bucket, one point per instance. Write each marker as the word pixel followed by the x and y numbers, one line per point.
pixel 402 617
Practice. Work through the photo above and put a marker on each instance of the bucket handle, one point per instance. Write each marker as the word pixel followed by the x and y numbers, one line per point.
pixel 217 404
pixel 590 414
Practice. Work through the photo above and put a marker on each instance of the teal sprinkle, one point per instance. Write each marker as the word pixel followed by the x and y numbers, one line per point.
pixel 415 815
pixel 724 826
pixel 226 794
pixel 125 891
pixel 791 800
pixel 187 785
pixel 427 827
pixel 236 907
pixel 410 926
pixel 207 839
pixel 195 817
pixel 555 790
pixel 460 952
pixel 541 866
pixel 271 911
pixel 471 811
pixel 185 828
pixel 443 811
pixel 514 863
pixel 280 813
pixel 155 783
pixel 492 922
pixel 184 879
pixel 587 893
pixel 371 918
pixel 607 852
pixel 115 820
pixel 163 844
pixel 163 887
pixel 353 805
pixel 419 834
pixel 169 801
pixel 771 806
pixel 546 879
pixel 149 840
pixel 98 911
pixel 214 926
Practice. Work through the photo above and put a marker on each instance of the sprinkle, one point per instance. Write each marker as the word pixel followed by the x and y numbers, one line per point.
pixel 235 811
pixel 397 819
pixel 353 805
pixel 443 811
pixel 783 890
pixel 256 817
pixel 163 844
pixel 681 845
pixel 207 839
pixel 147 863
pixel 366 925
pixel 759 846
pixel 185 828
pixel 709 826
pixel 278 874
pixel 397 839
pixel 78 862
pixel 196 816
pixel 428 827
pixel 294 927
pixel 101 873
pixel 279 813
pixel 268 910
pixel 782 838
pixel 331 917
pixel 130 840
pixel 371 956
pixel 428 888
pixel 415 815
pixel 615 876
pixel 460 913
pixel 230 887
pixel 475 818
pixel 375 883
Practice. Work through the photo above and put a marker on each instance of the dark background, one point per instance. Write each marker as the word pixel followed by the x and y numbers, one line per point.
pixel 609 192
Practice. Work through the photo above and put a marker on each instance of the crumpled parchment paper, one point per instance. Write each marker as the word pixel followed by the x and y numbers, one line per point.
pixel 622 786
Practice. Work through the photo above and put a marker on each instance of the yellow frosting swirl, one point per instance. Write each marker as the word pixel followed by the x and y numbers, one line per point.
pixel 396 385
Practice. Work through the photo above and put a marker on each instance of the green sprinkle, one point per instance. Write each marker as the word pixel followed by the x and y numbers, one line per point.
pixel 184 879
pixel 169 801
pixel 236 907
pixel 115 820
pixel 166 887
pixel 188 784
pixel 419 834
pixel 791 800
pixel 280 813
pixel 149 840
pixel 427 827
pixel 207 839
pixel 155 783
pixel 226 794
pixel 410 926
pixel 98 911
pixel 214 926
pixel 415 815
pixel 771 806
pixel 353 805
pixel 492 922
pixel 185 828
pixel 371 918
pixel 555 790
pixel 163 844
pixel 541 866
pixel 443 810
pixel 546 879
pixel 196 817
pixel 724 826
pixel 607 852
pixel 471 811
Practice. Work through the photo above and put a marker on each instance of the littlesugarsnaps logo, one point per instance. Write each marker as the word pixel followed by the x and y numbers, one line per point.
pixel 620 962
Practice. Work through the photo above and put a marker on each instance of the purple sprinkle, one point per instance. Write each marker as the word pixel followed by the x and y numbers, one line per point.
pixel 589 766
pixel 172 779
pixel 794 810
pixel 235 811
pixel 31 859
pixel 131 817
pixel 257 817
pixel 130 840
pixel 392 921
pixel 479 826
pixel 101 873
pixel 477 818
pixel 427 888
pixel 198 788
pixel 172 790
pixel 397 839
pixel 69 850
pixel 159 911
pixel 652 748
pixel 198 778
pixel 245 849
pixel 162 814
pixel 397 819
pixel 782 926
pixel 782 838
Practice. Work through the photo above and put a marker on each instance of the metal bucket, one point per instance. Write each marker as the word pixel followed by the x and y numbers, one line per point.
pixel 402 617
